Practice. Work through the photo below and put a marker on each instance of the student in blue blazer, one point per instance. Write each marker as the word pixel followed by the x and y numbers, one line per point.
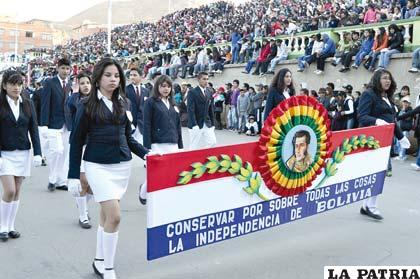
pixel 200 110
pixel 376 107
pixel 84 81
pixel 17 121
pixel 103 124
pixel 55 125
pixel 162 124
pixel 138 95
pixel 281 88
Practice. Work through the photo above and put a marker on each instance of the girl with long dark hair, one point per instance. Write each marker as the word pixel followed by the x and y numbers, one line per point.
pixel 85 85
pixel 103 123
pixel 380 43
pixel 376 107
pixel 281 88
pixel 395 45
pixel 162 124
pixel 17 121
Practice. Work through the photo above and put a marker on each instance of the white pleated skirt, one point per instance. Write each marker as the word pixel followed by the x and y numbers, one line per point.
pixel 16 163
pixel 163 148
pixel 108 181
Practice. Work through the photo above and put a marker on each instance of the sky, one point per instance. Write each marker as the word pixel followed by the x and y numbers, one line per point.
pixel 50 10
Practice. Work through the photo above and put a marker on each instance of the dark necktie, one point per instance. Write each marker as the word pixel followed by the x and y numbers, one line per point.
pixel 137 95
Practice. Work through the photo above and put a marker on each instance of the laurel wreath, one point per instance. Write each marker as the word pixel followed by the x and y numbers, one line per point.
pixel 347 146
pixel 243 172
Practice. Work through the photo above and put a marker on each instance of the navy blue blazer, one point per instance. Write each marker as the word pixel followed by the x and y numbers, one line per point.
pixel 273 99
pixel 137 105
pixel 36 99
pixel 161 125
pixel 106 142
pixel 14 134
pixel 72 103
pixel 371 107
pixel 200 108
pixel 53 104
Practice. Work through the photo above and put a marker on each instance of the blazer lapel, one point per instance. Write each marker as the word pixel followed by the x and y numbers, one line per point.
pixel 200 94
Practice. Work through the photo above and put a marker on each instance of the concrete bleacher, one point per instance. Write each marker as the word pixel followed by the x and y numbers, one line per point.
pixel 400 63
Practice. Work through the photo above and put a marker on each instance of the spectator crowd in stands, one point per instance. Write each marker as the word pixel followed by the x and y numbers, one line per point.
pixel 236 26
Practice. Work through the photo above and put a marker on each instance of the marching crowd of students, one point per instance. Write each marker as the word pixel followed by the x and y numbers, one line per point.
pixel 88 136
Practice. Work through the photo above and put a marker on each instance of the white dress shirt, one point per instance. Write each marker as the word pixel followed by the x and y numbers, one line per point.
pixel 14 106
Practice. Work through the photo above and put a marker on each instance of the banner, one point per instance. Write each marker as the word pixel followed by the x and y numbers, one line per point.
pixel 298 168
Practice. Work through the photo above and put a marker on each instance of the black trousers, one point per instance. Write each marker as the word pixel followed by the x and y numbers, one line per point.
pixel 346 59
pixel 261 67
pixel 320 61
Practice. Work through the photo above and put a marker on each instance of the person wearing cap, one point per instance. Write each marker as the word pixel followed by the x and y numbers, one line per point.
pixel 405 124
pixel 348 111
pixel 251 127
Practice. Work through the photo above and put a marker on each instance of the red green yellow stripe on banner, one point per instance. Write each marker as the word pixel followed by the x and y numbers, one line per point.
pixel 308 113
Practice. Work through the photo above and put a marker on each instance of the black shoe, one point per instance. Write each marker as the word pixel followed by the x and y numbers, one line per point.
pixel 269 73
pixel 142 201
pixel 4 236
pixel 62 187
pixel 44 162
pixel 343 70
pixel 51 187
pixel 85 224
pixel 367 212
pixel 255 74
pixel 14 234
pixel 95 269
pixel 334 64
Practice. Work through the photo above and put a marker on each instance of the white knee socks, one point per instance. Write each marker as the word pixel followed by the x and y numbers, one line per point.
pixel 12 216
pixel 110 241
pixel 82 206
pixel 5 209
pixel 99 243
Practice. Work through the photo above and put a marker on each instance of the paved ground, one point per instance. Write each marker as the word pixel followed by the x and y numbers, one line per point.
pixel 53 246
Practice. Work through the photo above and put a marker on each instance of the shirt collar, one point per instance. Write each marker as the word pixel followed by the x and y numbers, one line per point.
pixel 11 101
pixel 101 96
pixel 61 80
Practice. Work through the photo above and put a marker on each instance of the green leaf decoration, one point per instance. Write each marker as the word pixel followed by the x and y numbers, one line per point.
pixel 225 165
pixel 243 173
pixel 238 159
pixel 253 184
pixel 248 166
pixel 185 177
pixel 196 165
pixel 241 178
pixel 225 157
pixel 212 159
pixel 234 167
pixel 258 178
pixel 212 166
pixel 248 190
pixel 198 172
pixel 347 146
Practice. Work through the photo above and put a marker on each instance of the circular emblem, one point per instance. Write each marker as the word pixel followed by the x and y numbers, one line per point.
pixel 294 145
